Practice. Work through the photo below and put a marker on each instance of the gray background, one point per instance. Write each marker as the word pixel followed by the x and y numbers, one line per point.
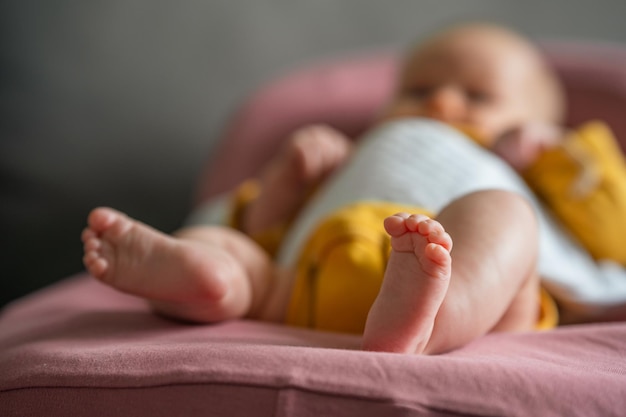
pixel 119 102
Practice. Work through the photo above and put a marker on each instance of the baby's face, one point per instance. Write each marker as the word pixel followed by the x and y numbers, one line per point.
pixel 473 79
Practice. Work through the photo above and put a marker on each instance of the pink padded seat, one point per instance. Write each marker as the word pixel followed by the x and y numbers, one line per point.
pixel 80 348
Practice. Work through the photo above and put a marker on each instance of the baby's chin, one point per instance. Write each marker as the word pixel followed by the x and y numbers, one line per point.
pixel 481 136
pixel 478 134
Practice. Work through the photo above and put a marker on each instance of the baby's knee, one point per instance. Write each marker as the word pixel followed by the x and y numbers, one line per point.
pixel 505 208
pixel 513 205
pixel 516 206
pixel 518 217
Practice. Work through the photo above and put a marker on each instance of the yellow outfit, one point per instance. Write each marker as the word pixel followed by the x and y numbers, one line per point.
pixel 341 267
pixel 584 183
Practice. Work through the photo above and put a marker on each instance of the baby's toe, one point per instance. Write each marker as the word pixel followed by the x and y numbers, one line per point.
pixel 414 221
pixel 88 234
pixel 435 233
pixel 92 244
pixel 442 238
pixel 95 264
pixel 396 225
pixel 429 226
pixel 438 255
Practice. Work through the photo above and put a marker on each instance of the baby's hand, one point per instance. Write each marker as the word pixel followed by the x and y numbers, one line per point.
pixel 522 146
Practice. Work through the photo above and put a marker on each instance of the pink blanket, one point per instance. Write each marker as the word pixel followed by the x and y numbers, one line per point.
pixel 80 348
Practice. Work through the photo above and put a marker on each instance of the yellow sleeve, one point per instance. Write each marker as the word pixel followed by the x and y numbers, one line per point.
pixel 583 182
pixel 245 194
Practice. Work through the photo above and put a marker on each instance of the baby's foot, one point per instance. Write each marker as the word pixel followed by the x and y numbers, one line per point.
pixel 140 260
pixel 415 284
pixel 309 156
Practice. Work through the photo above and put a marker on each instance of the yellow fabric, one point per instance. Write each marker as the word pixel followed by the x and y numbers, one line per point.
pixel 548 312
pixel 341 268
pixel 247 192
pixel 584 183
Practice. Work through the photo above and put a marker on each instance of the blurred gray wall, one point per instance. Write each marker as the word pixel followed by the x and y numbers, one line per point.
pixel 118 102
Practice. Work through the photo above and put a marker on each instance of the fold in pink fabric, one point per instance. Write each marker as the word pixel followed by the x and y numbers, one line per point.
pixel 105 354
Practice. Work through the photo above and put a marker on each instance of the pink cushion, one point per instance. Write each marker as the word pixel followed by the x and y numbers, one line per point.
pixel 79 348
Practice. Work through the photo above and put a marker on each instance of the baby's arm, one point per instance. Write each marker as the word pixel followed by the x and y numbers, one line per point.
pixel 265 207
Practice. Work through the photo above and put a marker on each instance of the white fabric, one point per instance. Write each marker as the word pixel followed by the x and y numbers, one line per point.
pixel 213 211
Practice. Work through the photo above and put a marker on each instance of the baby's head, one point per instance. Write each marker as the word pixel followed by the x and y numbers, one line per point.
pixel 479 76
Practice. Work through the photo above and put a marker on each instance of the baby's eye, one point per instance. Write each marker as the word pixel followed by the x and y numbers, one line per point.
pixel 477 96
pixel 420 92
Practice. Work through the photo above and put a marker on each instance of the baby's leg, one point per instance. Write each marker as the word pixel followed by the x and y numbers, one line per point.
pixel 309 156
pixel 201 274
pixel 493 284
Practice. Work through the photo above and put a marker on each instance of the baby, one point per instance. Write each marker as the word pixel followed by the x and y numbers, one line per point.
pixel 481 79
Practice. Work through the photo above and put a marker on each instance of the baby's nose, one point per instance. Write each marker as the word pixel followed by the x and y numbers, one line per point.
pixel 446 104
